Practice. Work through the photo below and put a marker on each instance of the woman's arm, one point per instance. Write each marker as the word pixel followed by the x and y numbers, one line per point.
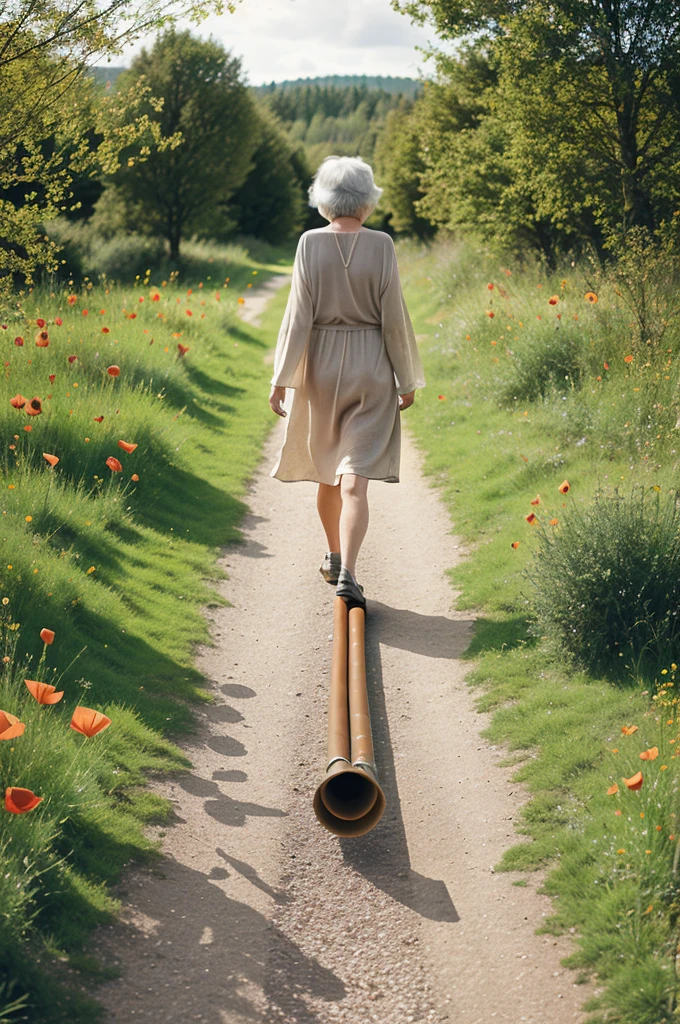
pixel 295 327
pixel 398 334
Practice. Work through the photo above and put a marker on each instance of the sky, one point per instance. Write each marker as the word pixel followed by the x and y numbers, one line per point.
pixel 284 39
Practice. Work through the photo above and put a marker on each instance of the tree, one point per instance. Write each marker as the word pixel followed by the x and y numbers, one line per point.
pixel 187 187
pixel 590 93
pixel 271 203
pixel 399 165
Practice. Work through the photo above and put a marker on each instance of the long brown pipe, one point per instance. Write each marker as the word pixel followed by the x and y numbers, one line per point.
pixel 349 801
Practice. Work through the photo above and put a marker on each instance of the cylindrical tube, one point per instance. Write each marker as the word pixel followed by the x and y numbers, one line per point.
pixel 338 708
pixel 359 714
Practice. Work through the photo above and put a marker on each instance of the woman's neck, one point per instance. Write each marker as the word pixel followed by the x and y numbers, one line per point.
pixel 344 224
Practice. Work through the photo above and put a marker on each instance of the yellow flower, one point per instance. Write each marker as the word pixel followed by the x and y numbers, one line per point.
pixel 29 519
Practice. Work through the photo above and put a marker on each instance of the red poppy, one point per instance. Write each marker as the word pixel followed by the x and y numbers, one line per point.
pixel 52 459
pixel 113 371
pixel 84 311
pixel 553 300
pixel 42 339
pixel 564 487
pixel 47 636
pixel 89 722
pixel 58 321
pixel 490 313
pixel 441 397
pixel 189 312
pixel 127 447
pixel 10 726
pixel 155 297
pixel 182 349
pixel 531 518
pixel 635 781
pixel 34 407
pixel 606 366
pixel 44 693
pixel 536 500
pixel 72 359
pixel 19 800
pixel 52 376
pixel 134 477
pixel 18 340
pixel 72 299
pixel 515 544
pixel 97 419
pixel 105 330
pixel 628 359
pixel 490 286
pixel 40 322
pixel 113 464
pixel 18 401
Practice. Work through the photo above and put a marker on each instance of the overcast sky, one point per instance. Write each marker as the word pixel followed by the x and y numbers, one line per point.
pixel 283 39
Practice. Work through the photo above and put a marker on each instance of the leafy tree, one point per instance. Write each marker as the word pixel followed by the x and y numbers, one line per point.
pixel 589 94
pixel 399 165
pixel 271 203
pixel 187 188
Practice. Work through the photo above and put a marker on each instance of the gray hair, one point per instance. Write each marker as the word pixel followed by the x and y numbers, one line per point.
pixel 343 186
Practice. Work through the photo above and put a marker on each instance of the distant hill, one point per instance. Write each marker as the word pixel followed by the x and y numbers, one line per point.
pixel 387 83
pixel 106 73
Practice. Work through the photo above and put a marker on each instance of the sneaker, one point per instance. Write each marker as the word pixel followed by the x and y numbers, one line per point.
pixel 330 567
pixel 349 589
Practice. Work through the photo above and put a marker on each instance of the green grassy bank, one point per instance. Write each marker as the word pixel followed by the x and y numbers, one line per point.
pixel 531 384
pixel 118 563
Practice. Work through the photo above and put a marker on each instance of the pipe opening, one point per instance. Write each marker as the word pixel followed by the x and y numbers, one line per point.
pixel 349 795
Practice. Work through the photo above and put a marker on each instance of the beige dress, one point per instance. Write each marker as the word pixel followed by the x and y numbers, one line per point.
pixel 347 347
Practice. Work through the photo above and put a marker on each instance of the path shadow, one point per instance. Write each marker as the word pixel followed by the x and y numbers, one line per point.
pixel 216 950
pixel 437 636
pixel 382 855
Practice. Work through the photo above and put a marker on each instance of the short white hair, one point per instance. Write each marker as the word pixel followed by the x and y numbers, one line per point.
pixel 343 186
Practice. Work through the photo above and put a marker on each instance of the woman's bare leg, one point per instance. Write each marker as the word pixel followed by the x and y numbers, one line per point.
pixel 353 517
pixel 329 504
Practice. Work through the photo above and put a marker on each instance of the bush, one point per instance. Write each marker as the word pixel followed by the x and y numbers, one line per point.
pixel 125 257
pixel 607 579
pixel 547 359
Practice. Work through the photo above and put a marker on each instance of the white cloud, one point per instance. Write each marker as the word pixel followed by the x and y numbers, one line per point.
pixel 281 39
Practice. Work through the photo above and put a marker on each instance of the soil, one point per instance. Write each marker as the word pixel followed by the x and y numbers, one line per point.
pixel 256 913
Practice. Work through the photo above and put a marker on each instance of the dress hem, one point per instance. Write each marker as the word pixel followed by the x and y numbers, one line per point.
pixel 311 480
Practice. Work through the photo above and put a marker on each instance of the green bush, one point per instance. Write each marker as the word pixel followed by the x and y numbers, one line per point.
pixel 607 579
pixel 547 359
pixel 125 257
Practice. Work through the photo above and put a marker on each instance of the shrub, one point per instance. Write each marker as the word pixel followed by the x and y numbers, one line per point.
pixel 607 579
pixel 546 359
pixel 125 257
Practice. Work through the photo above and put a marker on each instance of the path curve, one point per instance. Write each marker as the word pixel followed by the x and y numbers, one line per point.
pixel 256 913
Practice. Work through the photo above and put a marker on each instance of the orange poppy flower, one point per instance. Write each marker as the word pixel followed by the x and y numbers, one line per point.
pixel 42 339
pixel 155 297
pixel 47 636
pixel 490 286
pixel 531 518
pixel 564 487
pixel 34 407
pixel 72 299
pixel 650 754
pixel 182 349
pixel 18 401
pixel 606 366
pixel 590 297
pixel 241 301
pixel 127 447
pixel 628 359
pixel 52 459
pixel 114 465
pixel 490 313
pixel 515 544
pixel 628 730
pixel 58 321
pixel 554 522
pixel 10 726
pixel 85 312
pixel 635 781
pixel 19 800
pixel 44 693
pixel 553 300
pixel 440 397
pixel 113 371
pixel 536 500
pixel 134 477
pixel 612 790
pixel 97 419
pixel 89 722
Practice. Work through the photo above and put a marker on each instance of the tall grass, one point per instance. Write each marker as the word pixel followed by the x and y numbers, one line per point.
pixel 119 564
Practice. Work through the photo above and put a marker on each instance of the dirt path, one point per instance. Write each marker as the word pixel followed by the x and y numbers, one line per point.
pixel 258 914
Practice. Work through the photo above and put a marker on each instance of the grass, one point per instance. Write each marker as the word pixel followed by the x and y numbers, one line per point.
pixel 119 564
pixel 611 871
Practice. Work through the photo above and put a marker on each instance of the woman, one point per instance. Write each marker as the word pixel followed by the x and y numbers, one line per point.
pixel 347 348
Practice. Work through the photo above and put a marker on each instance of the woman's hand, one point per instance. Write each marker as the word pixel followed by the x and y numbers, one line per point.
pixel 406 400
pixel 276 400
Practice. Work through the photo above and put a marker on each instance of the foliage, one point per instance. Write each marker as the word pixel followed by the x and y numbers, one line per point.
pixel 204 98
pixel 607 579
pixel 399 166
pixel 272 201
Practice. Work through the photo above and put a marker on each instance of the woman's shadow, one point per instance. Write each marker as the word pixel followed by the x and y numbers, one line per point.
pixel 382 855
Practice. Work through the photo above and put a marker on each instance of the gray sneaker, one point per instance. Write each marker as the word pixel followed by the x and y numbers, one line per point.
pixel 349 589
pixel 330 567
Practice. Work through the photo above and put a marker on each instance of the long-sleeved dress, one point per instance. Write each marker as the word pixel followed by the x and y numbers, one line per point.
pixel 347 347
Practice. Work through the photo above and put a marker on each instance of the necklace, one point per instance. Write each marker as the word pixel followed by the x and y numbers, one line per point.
pixel 356 235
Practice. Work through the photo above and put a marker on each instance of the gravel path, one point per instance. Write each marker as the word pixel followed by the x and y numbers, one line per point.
pixel 256 913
